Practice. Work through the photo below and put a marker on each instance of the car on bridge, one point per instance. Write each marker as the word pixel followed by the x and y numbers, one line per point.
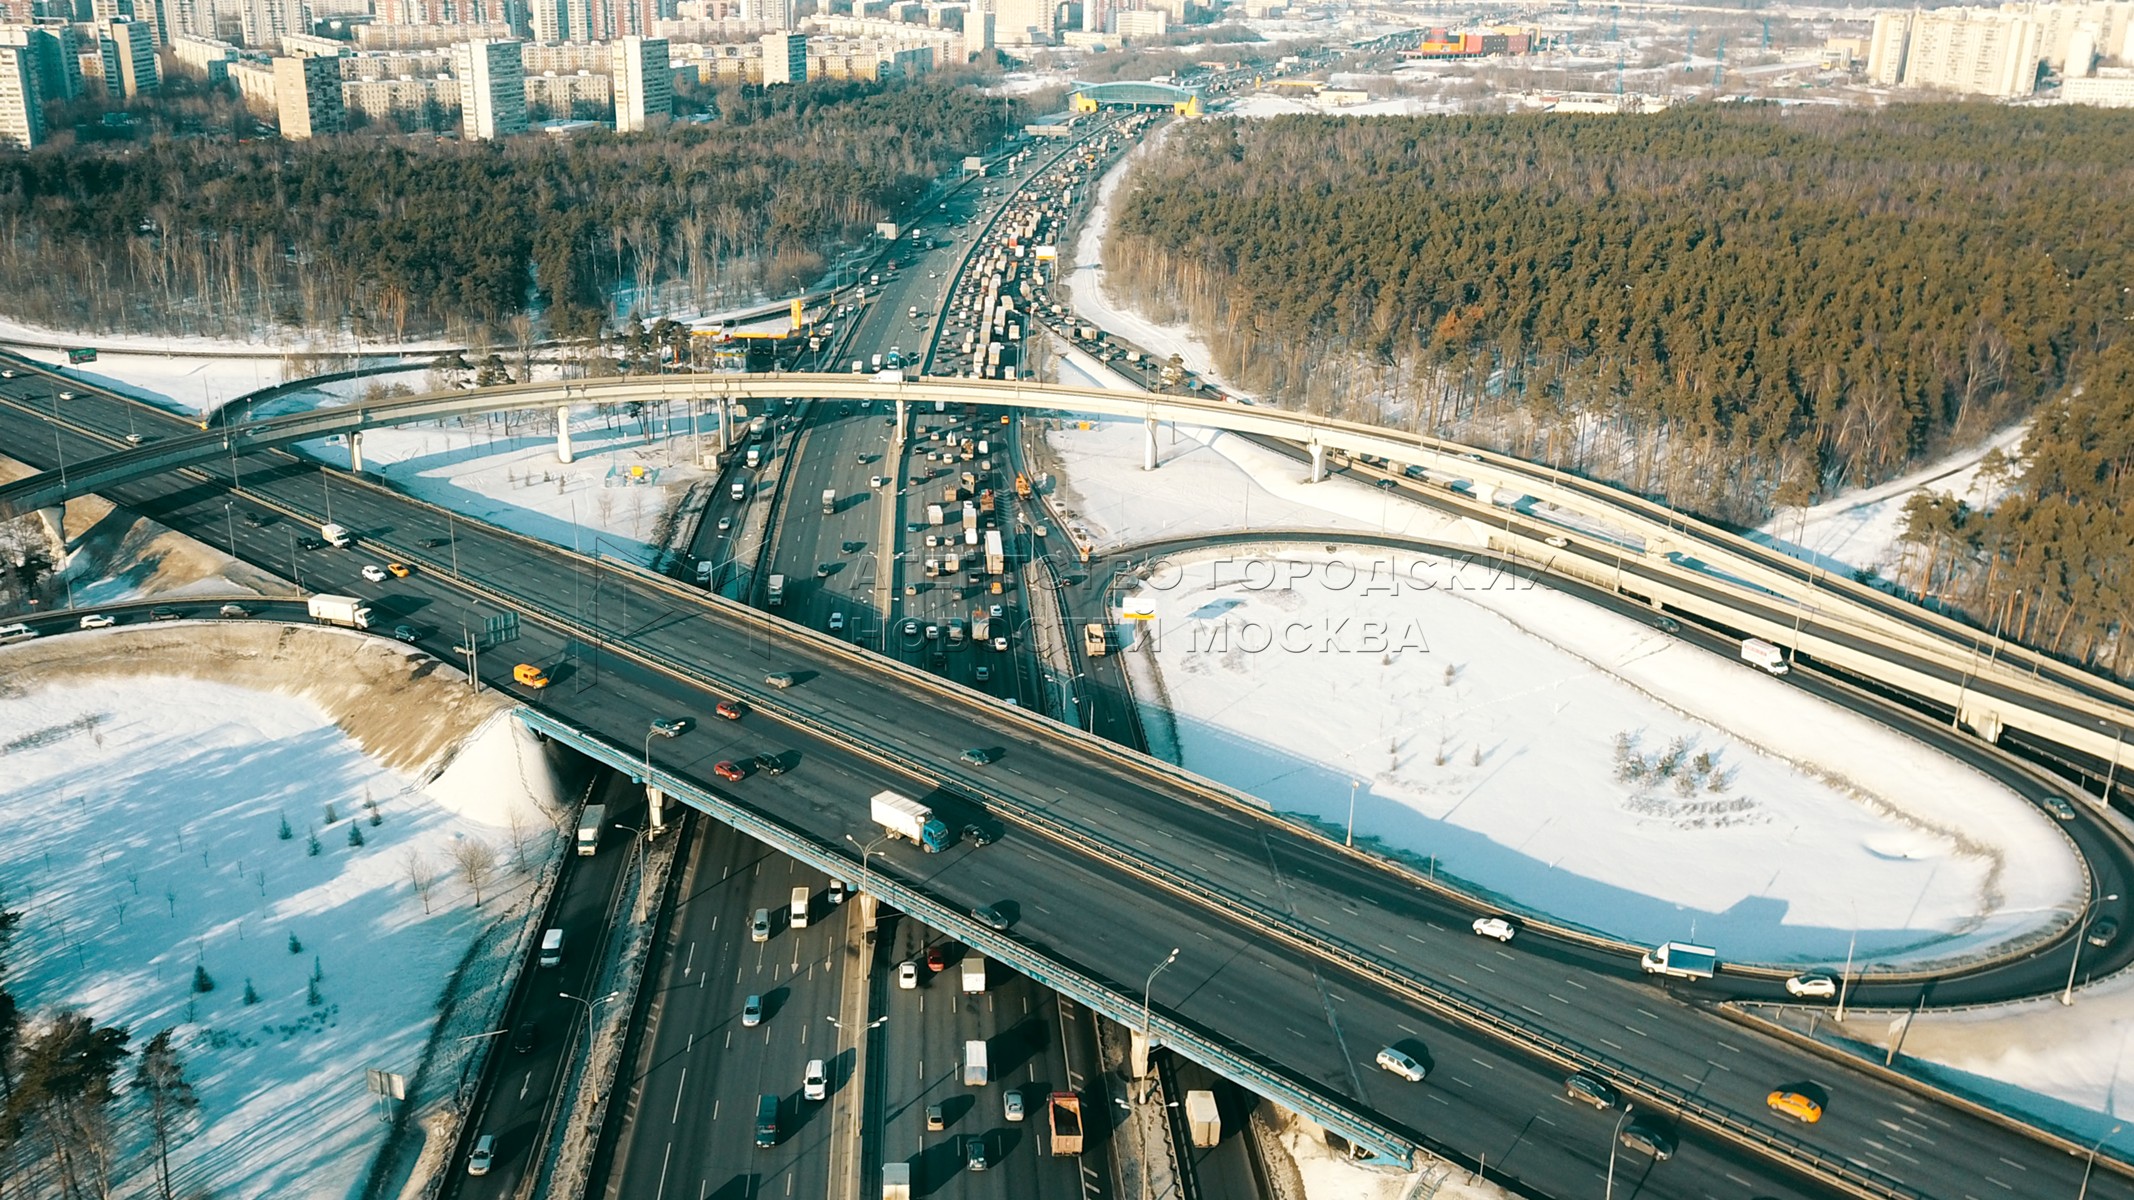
pixel 977 757
pixel 2103 933
pixel 728 771
pixel 399 570
pixel 1401 1063
pixel 2059 807
pixel 1798 1105
pixel 1494 927
pixel 732 710
pixel 374 573
pixel 1816 985
pixel 769 764
pixel 993 918
pixel 1588 1089
pixel 99 621
pixel 671 726
pixel 1649 1135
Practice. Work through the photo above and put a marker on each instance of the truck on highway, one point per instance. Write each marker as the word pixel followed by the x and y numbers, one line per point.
pixel 758 429
pixel 754 458
pixel 829 500
pixel 1205 1122
pixel 1681 960
pixel 974 1064
pixel 981 625
pixel 996 557
pixel 1064 1112
pixel 335 535
pixel 901 816
pixel 1763 656
pixel 973 974
pixel 1022 486
pixel 774 591
pixel 1093 639
pixel 346 611
pixel 798 911
pixel 933 514
pixel 589 823
pixel 896 1181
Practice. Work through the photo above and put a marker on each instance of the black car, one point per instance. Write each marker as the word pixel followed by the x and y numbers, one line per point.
pixel 525 1038
pixel 160 613
pixel 1651 1137
pixel 310 543
pixel 977 836
pixel 769 764
pixel 432 543
pixel 1586 1089
pixel 255 521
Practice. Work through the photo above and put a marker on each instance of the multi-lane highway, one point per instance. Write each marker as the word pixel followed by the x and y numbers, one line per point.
pixel 1264 998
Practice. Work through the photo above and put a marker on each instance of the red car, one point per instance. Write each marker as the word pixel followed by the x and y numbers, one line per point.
pixel 728 772
pixel 730 709
pixel 936 958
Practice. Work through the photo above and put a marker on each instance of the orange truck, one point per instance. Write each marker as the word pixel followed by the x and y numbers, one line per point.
pixel 1066 1114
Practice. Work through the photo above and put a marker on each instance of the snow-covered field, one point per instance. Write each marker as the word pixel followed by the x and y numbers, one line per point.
pixel 608 500
pixel 144 841
pixel 1582 764
pixel 1859 530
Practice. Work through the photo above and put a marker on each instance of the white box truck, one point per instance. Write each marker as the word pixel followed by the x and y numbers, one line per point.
pixel 974 1067
pixel 774 592
pixel 346 611
pixel 1205 1120
pixel 589 823
pixel 973 974
pixel 904 817
pixel 1681 960
pixel 799 910
pixel 1763 656
pixel 896 1181
pixel 829 500
pixel 335 535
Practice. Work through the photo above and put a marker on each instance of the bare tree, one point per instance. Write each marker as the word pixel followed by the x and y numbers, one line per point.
pixel 474 860
pixel 422 873
pixel 516 820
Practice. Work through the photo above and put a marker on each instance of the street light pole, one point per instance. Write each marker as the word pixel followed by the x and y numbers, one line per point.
pixel 589 1020
pixel 1147 1041
pixel 2091 1165
pixel 1614 1140
pixel 866 879
pixel 1350 841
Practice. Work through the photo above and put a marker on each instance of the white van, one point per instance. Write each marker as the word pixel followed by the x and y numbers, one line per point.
pixel 800 908
pixel 815 1083
pixel 974 1065
pixel 552 948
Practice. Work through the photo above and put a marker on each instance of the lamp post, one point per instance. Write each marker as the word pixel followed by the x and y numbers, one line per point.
pixel 589 1020
pixel 1350 840
pixel 1614 1140
pixel 1148 1041
pixel 866 878
pixel 638 838
pixel 2091 1165
pixel 2082 933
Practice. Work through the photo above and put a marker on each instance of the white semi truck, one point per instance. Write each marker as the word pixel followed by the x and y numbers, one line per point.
pixel 346 611
pixel 901 816
pixel 589 823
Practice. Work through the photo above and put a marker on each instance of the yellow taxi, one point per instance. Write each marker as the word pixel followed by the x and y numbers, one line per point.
pixel 399 570
pixel 1793 1104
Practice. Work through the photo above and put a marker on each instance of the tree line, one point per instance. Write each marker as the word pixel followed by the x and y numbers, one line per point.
pixel 1735 308
pixel 406 237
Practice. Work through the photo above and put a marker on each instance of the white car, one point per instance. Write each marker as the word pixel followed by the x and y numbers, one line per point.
pixel 1815 985
pixel 907 974
pixel 1011 1104
pixel 99 621
pixel 877 481
pixel 1494 927
pixel 375 574
pixel 1401 1063
pixel 752 1012
pixel 837 622
pixel 815 1084
pixel 1557 540
pixel 759 926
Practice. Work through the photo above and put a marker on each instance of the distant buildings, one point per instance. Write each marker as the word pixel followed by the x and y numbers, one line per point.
pixel 128 51
pixel 21 109
pixel 1997 51
pixel 492 89
pixel 785 58
pixel 644 84
pixel 307 91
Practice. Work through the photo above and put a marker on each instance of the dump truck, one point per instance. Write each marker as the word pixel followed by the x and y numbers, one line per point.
pixel 1065 1111
pixel 335 535
pixel 1093 639
pixel 1205 1121
pixel 589 823
pixel 1681 960
pixel 346 611
pixel 1763 656
pixel 901 816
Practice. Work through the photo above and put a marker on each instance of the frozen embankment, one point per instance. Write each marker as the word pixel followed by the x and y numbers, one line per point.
pixel 308 853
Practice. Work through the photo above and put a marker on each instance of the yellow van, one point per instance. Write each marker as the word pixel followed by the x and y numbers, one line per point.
pixel 530 675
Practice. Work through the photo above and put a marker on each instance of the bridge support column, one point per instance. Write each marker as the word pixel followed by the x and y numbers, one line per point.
pixel 563 433
pixel 901 406
pixel 655 810
pixel 1148 445
pixel 1318 462
pixel 355 452
pixel 1137 1059
pixel 55 524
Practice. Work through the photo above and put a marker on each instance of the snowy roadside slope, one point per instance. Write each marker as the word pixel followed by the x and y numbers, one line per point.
pixel 142 839
pixel 1482 716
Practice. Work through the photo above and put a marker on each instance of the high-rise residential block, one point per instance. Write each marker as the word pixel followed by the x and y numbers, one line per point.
pixel 644 84
pixel 492 88
pixel 308 93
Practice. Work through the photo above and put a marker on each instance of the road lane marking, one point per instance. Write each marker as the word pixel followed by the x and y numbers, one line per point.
pixel 679 1084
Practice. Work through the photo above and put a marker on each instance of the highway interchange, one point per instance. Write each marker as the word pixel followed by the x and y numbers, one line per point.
pixel 643 653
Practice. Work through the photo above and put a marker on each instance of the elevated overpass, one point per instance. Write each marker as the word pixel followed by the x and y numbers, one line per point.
pixel 1990 684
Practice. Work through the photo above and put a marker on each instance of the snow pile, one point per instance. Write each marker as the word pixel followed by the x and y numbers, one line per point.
pixel 1582 764
pixel 1859 530
pixel 165 833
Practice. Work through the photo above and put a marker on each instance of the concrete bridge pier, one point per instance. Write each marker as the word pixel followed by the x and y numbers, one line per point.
pixel 563 433
pixel 1318 462
pixel 355 452
pixel 655 810
pixel 55 525
pixel 1138 1054
pixel 1148 445
pixel 901 408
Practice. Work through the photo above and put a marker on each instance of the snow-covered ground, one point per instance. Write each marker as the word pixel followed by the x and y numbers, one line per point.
pixel 144 839
pixel 609 499
pixel 277 343
pixel 1583 764
pixel 1859 530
